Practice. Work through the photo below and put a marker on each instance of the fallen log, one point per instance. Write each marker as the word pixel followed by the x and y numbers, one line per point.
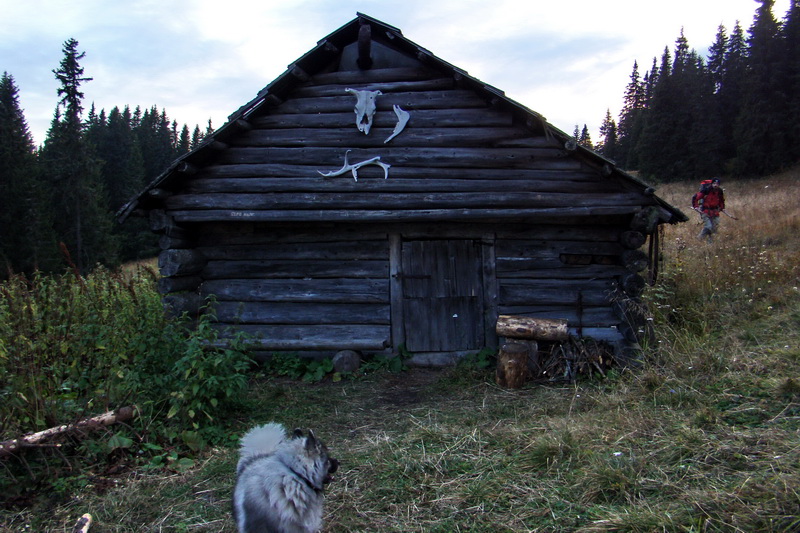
pixel 523 327
pixel 36 439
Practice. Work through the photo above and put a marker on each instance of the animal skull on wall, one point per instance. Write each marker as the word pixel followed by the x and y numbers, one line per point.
pixel 365 108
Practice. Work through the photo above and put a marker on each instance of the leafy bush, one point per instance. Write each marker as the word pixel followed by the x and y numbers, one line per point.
pixel 73 347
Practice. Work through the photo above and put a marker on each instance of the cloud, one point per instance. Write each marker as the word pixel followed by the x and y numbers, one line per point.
pixel 201 59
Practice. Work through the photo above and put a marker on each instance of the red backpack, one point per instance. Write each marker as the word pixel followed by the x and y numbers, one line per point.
pixel 697 198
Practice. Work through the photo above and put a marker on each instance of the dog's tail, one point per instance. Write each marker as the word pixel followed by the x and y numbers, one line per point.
pixel 264 439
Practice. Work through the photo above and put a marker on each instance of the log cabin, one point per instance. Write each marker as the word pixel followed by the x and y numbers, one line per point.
pixel 376 198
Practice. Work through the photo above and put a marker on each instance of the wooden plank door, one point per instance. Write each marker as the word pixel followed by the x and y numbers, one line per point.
pixel 442 295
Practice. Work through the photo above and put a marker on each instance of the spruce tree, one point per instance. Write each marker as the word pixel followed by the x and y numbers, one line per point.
pixel 123 174
pixel 760 143
pixel 608 137
pixel 184 142
pixel 81 221
pixel 197 137
pixel 716 57
pixel 631 120
pixel 658 153
pixel 585 138
pixel 729 77
pixel 790 81
pixel 26 241
pixel 704 138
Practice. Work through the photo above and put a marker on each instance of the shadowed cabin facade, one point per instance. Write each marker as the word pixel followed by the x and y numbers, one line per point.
pixel 376 198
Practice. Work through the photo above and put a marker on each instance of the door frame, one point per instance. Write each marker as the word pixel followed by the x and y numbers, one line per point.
pixel 487 275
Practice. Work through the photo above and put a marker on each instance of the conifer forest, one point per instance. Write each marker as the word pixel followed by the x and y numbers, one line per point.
pixel 733 112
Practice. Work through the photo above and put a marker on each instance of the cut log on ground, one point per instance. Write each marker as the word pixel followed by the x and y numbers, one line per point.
pixel 36 439
pixel 83 524
pixel 523 327
pixel 512 365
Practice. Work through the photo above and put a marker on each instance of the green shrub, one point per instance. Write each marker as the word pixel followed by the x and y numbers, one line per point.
pixel 73 347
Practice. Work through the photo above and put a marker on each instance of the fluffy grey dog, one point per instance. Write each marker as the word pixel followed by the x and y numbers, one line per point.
pixel 280 481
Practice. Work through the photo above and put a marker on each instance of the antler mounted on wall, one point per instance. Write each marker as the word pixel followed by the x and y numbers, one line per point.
pixel 355 166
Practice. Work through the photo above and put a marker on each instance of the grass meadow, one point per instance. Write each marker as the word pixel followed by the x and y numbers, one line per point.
pixel 705 437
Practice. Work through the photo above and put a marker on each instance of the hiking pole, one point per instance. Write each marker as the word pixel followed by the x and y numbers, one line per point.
pixel 733 217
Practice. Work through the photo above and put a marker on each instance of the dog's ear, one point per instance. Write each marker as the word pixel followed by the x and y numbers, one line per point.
pixel 298 433
pixel 311 441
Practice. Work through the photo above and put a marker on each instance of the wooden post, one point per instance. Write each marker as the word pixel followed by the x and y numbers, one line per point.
pixel 523 327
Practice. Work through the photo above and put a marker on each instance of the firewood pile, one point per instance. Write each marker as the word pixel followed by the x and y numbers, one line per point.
pixel 566 361
pixel 543 350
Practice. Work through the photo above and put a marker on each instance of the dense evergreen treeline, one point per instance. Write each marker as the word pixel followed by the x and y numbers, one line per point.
pixel 57 201
pixel 735 113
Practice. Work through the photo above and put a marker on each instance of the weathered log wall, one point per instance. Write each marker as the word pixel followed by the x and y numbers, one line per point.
pixel 307 262
pixel 310 287
pixel 459 158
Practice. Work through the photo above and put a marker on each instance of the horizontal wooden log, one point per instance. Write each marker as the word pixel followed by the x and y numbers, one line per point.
pixel 36 439
pixel 330 158
pixel 410 215
pixel 296 269
pixel 633 284
pixel 159 194
pixel 340 250
pixel 159 220
pixel 422 118
pixel 178 303
pixel 350 77
pixel 580 243
pixel 515 294
pixel 635 260
pixel 302 290
pixel 386 87
pixel 165 242
pixel 407 100
pixel 589 316
pixel 395 184
pixel 408 200
pixel 555 270
pixel 224 235
pixel 646 221
pixel 632 240
pixel 412 136
pixel 178 284
pixel 610 334
pixel 301 313
pixel 314 337
pixel 531 328
pixel 180 262
pixel 574 177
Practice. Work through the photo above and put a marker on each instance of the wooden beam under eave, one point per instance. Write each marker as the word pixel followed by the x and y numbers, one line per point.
pixel 299 73
pixel 364 60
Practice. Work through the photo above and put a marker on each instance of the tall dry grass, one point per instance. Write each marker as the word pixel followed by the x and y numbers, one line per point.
pixel 752 263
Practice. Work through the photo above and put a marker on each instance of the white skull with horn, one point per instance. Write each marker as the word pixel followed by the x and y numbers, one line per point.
pixel 365 108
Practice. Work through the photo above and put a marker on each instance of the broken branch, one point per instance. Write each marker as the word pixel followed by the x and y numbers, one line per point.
pixel 36 439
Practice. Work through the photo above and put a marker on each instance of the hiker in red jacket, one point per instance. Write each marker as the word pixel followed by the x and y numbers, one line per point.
pixel 710 204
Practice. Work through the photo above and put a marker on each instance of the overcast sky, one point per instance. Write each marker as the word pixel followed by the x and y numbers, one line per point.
pixel 202 59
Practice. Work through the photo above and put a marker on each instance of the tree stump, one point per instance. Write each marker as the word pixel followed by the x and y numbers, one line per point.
pixel 512 365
